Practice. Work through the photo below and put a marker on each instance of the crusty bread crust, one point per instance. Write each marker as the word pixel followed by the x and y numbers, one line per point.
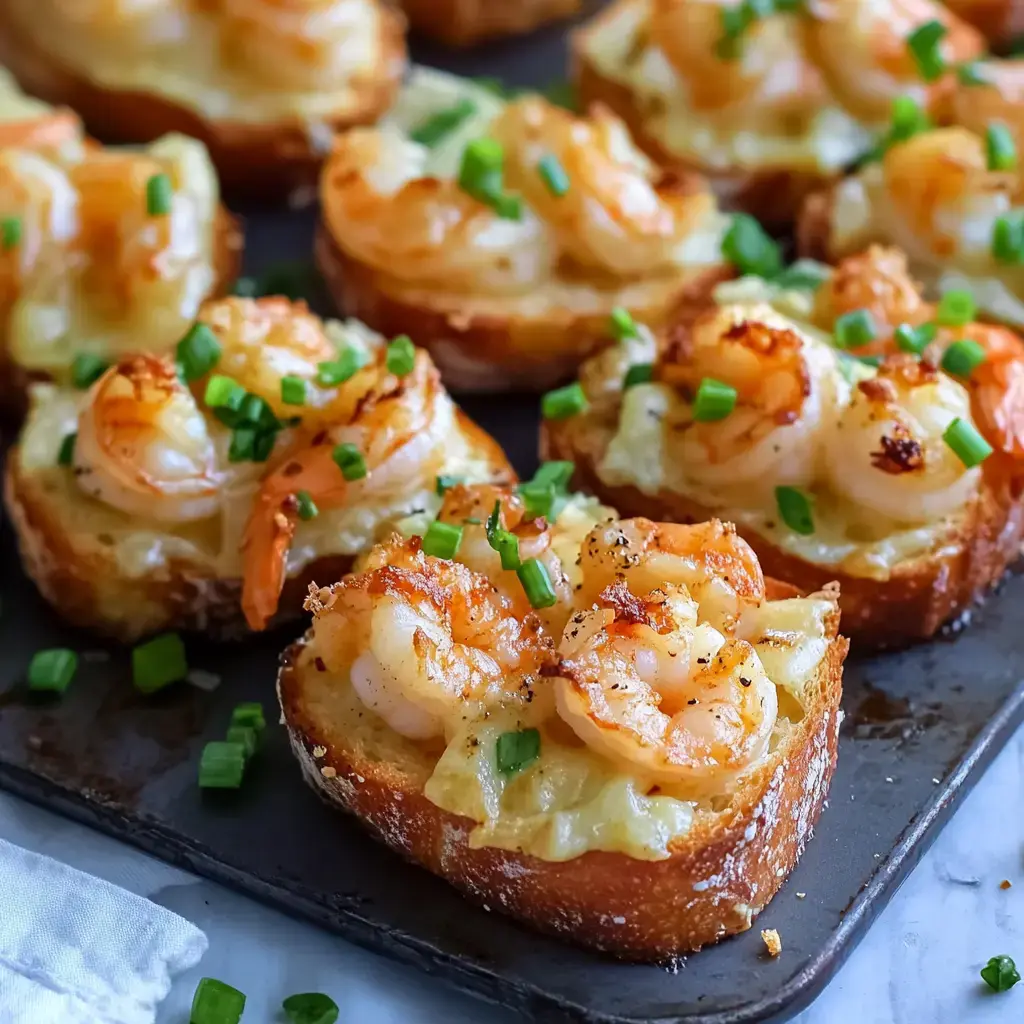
pixel 718 877
pixel 80 576
pixel 466 22
pixel 490 345
pixel 772 194
pixel 254 161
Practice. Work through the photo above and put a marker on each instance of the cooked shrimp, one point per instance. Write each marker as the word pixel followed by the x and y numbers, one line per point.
pixel 143 445
pixel 997 386
pixel 862 50
pixel 423 640
pixel 887 452
pixel 382 209
pixel 48 131
pixel 643 684
pixel 999 98
pixel 617 214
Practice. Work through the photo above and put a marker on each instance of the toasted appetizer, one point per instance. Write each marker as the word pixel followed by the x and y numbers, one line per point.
pixel 465 22
pixel 767 106
pixel 863 436
pixel 193 492
pixel 625 741
pixel 263 83
pixel 503 235
pixel 103 252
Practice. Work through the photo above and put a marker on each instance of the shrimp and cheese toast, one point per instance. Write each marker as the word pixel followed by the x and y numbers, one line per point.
pixel 502 235
pixel 626 742
pixel 768 108
pixel 204 492
pixel 466 22
pixel 859 435
pixel 262 83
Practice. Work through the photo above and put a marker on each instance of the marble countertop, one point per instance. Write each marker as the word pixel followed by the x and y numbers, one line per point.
pixel 918 964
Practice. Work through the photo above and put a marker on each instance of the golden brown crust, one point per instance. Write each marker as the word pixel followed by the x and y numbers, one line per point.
pixel 498 348
pixel 254 161
pixel 466 22
pixel 720 875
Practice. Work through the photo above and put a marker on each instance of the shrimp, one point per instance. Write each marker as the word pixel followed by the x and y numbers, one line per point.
pixel 143 445
pixel 382 209
pixel 861 48
pixel 641 683
pixel 421 638
pixel 779 380
pixel 887 452
pixel 617 215
pixel 997 99
pixel 49 131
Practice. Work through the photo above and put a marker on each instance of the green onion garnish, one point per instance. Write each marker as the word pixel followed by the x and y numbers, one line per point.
pixel 562 94
pixel 734 23
pixel 306 507
pixel 401 355
pixel 1008 238
pixel 310 1008
pixel 159 194
pixel 221 766
pixel 501 540
pixel 713 401
pixel 907 119
pixel 245 736
pixel 638 373
pixel 159 662
pixel 197 353
pixel 915 339
pixel 515 750
pixel 563 403
pixel 956 308
pixel 1000 973
pixel 52 670
pixel 481 176
pixel 925 47
pixel 348 363
pixel 249 713
pixel 971 73
pixel 553 175
pixel 293 390
pixel 216 1003
pixel 622 325
pixel 1000 148
pixel 795 509
pixel 968 445
pixel 224 393
pixel 445 482
pixel 533 575
pixel 350 461
pixel 243 445
pixel 557 473
pixel 854 329
pixel 87 369
pixel 442 540
pixel 963 357
pixel 539 499
pixel 443 123
pixel 66 452
pixel 10 232
pixel 804 275
pixel 749 248
pixel 875 361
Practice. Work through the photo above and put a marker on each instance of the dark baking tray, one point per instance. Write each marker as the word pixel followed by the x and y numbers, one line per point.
pixel 920 728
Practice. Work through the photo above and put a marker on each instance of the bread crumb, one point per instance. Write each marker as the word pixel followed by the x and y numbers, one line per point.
pixel 1005 884
pixel 772 941
pixel 319 751
pixel 328 772
pixel 888 778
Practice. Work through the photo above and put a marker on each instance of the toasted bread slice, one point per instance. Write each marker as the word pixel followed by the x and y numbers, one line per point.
pixel 467 22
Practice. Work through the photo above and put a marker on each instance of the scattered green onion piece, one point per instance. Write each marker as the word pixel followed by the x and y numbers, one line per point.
pixel 348 363
pixel 963 357
pixel 159 194
pixel 263 445
pixel 713 401
pixel 501 540
pixel 224 393
pixel 533 575
pixel 515 750
pixel 216 1003
pixel 243 445
pixel 557 473
pixel 734 23
pixel 10 233
pixel 1000 973
pixel 293 390
pixel 562 94
pixel 159 662
pixel 875 361
pixel 442 540
pixel 350 461
pixel 443 123
pixel 52 670
pixel 245 736
pixel 750 249
pixel 971 73
pixel 795 509
pixel 925 45
pixel 198 352
pixel 956 308
pixel 446 482
pixel 804 275
pixel 1008 238
pixel 87 369
pixel 306 506
pixel 508 207
pixel 66 452
pixel 638 373
pixel 401 355
pixel 249 713
pixel 562 403
pixel 539 499
pixel 481 174
pixel 553 175
pixel 907 119
pixel 222 765
pixel 310 1008
pixel 622 325
pixel 914 340
pixel 854 329
pixel 1000 148
pixel 968 445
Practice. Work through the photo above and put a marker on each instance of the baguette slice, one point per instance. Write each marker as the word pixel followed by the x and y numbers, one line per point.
pixel 717 879
pixel 467 22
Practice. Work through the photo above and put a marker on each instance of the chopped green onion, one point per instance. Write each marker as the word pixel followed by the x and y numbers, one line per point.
pixel 638 373
pixel 1008 238
pixel 713 401
pixel 963 357
pixel 804 275
pixel 971 73
pixel 734 23
pixel 216 1003
pixel 854 329
pixel 310 1008
pixel 968 445
pixel 198 352
pixel 563 403
pixel 243 445
pixel 348 363
pixel 52 670
pixel 539 499
pixel 159 194
pixel 956 308
pixel 748 247
pixel 557 473
pixel 795 509
pixel 915 339
pixel 159 662
pixel 481 176
pixel 515 750
pixel 306 506
pixel 1000 148
pixel 443 123
pixel 562 94
pixel 350 461
pixel 249 713
pixel 622 325
pixel 401 355
pixel 907 119
pixel 293 390
pixel 442 540
pixel 508 207
pixel 87 369
pixel 224 393
pixel 221 766
pixel 925 45
pixel 445 482
pixel 245 736
pixel 10 232
pixel 533 575
pixel 1000 973
pixel 501 540
pixel 66 452
pixel 553 175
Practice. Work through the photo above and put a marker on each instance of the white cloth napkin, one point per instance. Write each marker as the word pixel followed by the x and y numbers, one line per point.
pixel 77 950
